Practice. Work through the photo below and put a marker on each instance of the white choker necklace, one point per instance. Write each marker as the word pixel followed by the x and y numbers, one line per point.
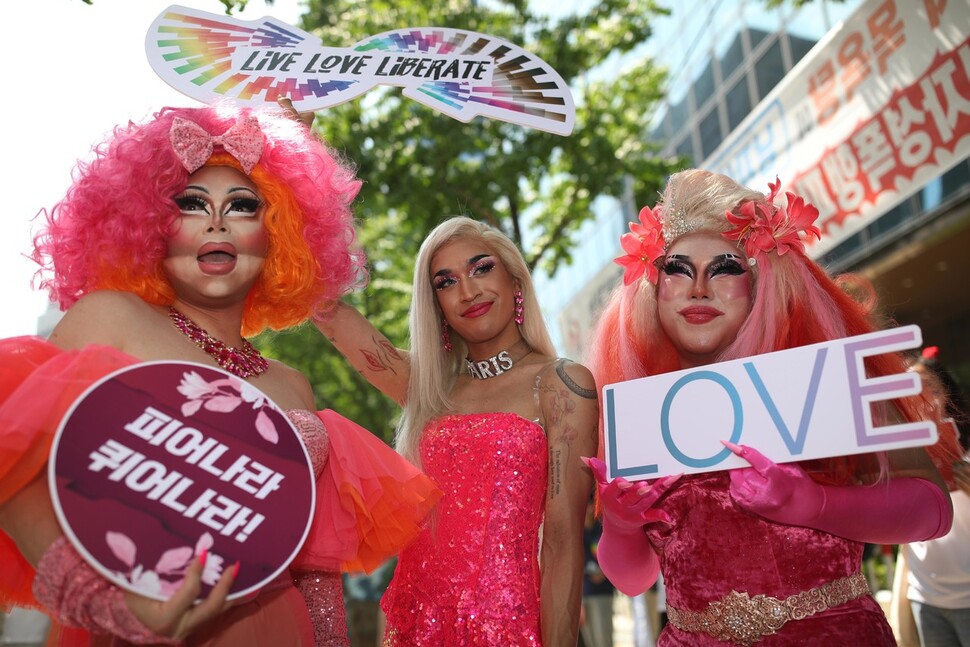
pixel 499 363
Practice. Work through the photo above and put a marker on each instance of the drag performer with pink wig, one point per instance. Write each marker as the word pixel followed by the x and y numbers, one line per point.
pixel 769 554
pixel 182 236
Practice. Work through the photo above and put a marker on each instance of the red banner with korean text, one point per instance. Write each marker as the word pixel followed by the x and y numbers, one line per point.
pixel 875 111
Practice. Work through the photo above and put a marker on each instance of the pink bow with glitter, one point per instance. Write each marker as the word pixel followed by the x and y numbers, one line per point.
pixel 193 145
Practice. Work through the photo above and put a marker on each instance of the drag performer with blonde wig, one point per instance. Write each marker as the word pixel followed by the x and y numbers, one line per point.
pixel 770 554
pixel 182 236
pixel 499 423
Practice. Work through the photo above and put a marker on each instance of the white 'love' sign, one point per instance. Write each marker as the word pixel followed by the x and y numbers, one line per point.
pixel 793 405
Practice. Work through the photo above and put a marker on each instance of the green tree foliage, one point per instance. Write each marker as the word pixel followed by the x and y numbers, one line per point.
pixel 420 167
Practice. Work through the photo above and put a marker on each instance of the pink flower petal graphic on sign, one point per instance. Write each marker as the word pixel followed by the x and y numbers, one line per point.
pixel 266 428
pixel 147 582
pixel 205 541
pixel 249 393
pixel 191 406
pixel 194 386
pixel 122 547
pixel 213 563
pixel 222 403
pixel 213 569
pixel 174 560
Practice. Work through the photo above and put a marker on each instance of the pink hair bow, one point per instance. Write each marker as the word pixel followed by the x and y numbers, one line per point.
pixel 193 145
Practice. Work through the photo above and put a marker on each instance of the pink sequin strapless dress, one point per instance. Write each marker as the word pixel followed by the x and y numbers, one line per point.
pixel 472 577
pixel 713 547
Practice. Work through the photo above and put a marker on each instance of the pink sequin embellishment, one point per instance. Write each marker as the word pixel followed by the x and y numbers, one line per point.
pixel 193 145
pixel 314 436
pixel 472 577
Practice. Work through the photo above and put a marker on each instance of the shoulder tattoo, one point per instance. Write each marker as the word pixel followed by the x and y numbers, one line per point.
pixel 589 394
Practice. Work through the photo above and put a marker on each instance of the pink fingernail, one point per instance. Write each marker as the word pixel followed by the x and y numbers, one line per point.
pixel 737 449
pixel 235 570
pixel 203 555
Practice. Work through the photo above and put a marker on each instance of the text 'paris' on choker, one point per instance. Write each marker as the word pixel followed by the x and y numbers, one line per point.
pixel 499 363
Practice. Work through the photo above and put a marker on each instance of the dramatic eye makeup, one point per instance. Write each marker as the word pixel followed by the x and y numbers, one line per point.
pixel 676 264
pixel 197 200
pixel 244 205
pixel 481 265
pixel 477 266
pixel 192 202
pixel 729 264
pixel 443 279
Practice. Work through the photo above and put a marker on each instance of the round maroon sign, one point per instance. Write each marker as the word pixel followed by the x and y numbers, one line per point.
pixel 158 461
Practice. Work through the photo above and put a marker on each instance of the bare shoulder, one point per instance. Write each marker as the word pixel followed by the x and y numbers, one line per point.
pixel 102 317
pixel 287 386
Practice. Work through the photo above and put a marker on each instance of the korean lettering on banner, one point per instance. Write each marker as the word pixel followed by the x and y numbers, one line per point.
pixel 926 122
pixel 835 81
pixel 122 463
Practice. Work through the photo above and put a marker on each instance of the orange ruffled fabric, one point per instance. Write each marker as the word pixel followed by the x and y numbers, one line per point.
pixel 38 384
pixel 371 502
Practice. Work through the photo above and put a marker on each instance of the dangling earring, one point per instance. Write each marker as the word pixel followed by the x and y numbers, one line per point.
pixel 519 310
pixel 445 336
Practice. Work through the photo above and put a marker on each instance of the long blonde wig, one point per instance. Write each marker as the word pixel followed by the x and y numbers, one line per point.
pixel 433 370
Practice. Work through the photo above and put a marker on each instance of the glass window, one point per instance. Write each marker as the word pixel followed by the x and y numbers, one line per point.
pixel 686 149
pixel 799 47
pixel 769 69
pixel 956 179
pixel 678 118
pixel 704 85
pixel 888 221
pixel 738 102
pixel 756 36
pixel 710 131
pixel 733 57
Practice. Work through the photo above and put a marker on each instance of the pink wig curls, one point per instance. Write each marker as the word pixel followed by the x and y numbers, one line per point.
pixel 110 232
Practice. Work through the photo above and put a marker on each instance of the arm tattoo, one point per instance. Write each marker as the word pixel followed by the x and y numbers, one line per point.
pixel 589 394
pixel 560 407
pixel 381 360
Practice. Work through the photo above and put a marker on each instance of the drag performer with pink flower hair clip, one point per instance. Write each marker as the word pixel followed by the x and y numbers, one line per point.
pixel 769 554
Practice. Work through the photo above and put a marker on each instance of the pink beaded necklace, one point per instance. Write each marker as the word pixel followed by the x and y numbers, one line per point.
pixel 242 362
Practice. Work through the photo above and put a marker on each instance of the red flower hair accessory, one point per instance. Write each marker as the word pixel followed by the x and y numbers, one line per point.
pixel 643 245
pixel 764 226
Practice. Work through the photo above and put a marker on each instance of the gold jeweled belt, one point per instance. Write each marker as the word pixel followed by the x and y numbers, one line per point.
pixel 744 620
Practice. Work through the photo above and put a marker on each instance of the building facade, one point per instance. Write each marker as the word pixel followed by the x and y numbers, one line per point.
pixel 861 106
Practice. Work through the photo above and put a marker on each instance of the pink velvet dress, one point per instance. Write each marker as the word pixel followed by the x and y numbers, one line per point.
pixel 713 547
pixel 370 502
pixel 472 577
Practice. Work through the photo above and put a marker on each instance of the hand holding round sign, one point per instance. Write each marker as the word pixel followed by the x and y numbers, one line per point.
pixel 159 461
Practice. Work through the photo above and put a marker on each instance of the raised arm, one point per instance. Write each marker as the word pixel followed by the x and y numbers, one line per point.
pixel 570 413
pixel 387 368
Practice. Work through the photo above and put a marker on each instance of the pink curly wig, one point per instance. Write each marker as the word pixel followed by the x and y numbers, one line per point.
pixel 110 232
pixel 794 303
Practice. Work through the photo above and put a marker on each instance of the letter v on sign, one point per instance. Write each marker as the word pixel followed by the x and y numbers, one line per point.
pixel 796 443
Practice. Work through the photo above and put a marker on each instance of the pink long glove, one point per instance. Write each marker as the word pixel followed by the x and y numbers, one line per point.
pixel 624 553
pixel 78 597
pixel 902 510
